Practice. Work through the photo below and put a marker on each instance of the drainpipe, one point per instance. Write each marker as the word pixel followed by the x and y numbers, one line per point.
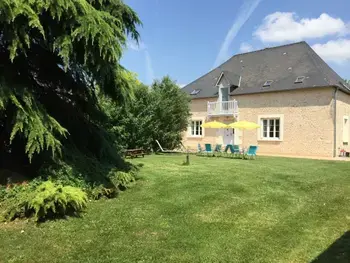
pixel 335 122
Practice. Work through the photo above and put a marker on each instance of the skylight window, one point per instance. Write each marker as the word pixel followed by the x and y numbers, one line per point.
pixel 195 91
pixel 299 79
pixel 268 83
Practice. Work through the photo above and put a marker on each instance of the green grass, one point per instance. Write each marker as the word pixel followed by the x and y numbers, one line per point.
pixel 214 210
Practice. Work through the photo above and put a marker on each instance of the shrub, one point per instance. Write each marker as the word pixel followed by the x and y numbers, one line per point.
pixel 15 201
pixel 123 179
pixel 43 201
pixel 2 192
pixel 100 191
pixel 63 173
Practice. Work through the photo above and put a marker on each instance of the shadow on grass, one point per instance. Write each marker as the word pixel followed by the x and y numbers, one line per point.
pixel 338 252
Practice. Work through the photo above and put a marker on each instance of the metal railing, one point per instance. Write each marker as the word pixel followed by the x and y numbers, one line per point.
pixel 223 108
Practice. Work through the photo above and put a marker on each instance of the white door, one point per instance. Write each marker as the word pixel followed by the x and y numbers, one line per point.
pixel 228 136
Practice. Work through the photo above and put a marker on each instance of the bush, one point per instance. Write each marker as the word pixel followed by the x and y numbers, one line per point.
pixel 122 180
pixel 2 192
pixel 100 191
pixel 119 180
pixel 43 201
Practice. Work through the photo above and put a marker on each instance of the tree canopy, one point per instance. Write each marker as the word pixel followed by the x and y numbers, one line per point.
pixel 159 112
pixel 68 108
pixel 54 55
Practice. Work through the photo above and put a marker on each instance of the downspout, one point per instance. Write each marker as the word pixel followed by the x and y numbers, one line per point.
pixel 335 122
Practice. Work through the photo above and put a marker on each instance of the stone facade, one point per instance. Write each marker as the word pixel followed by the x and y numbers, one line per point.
pixel 343 111
pixel 306 121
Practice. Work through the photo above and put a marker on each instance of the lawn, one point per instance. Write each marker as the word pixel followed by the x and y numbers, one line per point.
pixel 215 210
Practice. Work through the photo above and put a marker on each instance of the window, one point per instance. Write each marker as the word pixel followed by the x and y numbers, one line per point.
pixel 224 94
pixel 196 128
pixel 268 83
pixel 270 128
pixel 299 79
pixel 346 130
pixel 195 91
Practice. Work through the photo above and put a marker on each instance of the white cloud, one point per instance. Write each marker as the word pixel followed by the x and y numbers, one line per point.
pixel 141 47
pixel 244 13
pixel 334 50
pixel 245 47
pixel 181 85
pixel 136 46
pixel 287 27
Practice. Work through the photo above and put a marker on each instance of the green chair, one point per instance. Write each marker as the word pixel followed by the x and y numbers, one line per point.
pixel 208 149
pixel 225 152
pixel 199 149
pixel 235 149
pixel 218 149
pixel 251 153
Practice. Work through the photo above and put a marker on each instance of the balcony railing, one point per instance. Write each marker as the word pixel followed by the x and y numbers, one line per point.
pixel 223 108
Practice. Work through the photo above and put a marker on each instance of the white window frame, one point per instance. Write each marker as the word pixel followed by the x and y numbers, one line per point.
pixel 346 130
pixel 190 128
pixel 261 129
pixel 220 93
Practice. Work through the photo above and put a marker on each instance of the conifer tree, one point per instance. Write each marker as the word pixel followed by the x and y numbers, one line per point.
pixel 53 56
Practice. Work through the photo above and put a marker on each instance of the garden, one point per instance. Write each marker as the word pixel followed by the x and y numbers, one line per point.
pixel 213 210
pixel 68 109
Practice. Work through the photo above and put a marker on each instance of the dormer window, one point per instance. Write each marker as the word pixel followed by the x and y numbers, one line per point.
pixel 195 91
pixel 299 79
pixel 267 83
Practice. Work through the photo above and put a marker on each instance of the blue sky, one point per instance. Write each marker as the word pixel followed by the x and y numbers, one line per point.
pixel 187 38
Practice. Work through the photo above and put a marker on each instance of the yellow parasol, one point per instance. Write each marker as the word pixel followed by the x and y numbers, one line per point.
pixel 243 125
pixel 214 125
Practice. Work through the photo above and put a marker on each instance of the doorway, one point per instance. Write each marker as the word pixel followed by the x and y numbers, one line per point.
pixel 228 136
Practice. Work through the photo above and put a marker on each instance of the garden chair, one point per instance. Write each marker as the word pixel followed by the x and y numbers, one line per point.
pixel 199 149
pixel 235 149
pixel 225 152
pixel 218 149
pixel 163 150
pixel 208 149
pixel 251 153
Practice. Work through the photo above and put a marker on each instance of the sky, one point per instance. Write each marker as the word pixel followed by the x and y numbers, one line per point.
pixel 187 38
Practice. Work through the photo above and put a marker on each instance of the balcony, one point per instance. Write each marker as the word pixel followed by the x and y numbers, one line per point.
pixel 223 108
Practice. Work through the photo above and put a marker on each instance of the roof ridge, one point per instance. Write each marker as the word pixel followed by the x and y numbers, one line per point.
pixel 266 48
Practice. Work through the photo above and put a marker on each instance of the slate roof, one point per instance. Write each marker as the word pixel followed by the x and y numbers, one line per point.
pixel 282 65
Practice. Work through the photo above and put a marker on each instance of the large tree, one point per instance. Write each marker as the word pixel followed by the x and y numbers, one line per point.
pixel 53 56
pixel 159 112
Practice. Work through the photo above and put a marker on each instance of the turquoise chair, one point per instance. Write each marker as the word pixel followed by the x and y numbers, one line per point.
pixel 218 149
pixel 225 152
pixel 208 149
pixel 199 149
pixel 235 149
pixel 251 153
